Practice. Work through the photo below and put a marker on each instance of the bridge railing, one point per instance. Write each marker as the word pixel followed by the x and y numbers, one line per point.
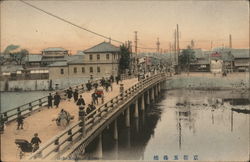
pixel 37 104
pixel 74 133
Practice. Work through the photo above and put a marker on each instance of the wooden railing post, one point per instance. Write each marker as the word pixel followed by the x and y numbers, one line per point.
pixel 40 102
pixel 82 120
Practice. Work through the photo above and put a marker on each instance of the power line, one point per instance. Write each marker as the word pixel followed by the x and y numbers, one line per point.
pixel 71 23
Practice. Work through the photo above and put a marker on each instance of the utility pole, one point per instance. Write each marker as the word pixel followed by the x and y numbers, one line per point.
pixel 230 41
pixel 175 53
pixel 211 45
pixel 177 46
pixel 136 41
pixel 158 45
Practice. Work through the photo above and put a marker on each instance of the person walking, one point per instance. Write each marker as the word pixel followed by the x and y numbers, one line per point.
pixel 94 98
pixel 57 99
pixel 75 94
pixel 80 101
pixel 35 142
pixel 69 93
pixel 50 98
pixel 19 120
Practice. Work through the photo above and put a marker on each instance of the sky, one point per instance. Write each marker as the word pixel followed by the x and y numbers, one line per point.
pixel 201 21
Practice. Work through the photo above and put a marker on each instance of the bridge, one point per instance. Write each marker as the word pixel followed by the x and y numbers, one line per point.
pixel 70 143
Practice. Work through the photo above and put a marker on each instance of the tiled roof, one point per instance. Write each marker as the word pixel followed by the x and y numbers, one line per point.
pixel 11 68
pixel 240 53
pixel 34 58
pixel 103 47
pixel 56 64
pixel 54 49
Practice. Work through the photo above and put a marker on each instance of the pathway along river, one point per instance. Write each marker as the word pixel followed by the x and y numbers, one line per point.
pixel 183 125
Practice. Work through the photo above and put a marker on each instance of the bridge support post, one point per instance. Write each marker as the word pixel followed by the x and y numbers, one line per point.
pixel 142 102
pixel 136 114
pixel 99 147
pixel 156 91
pixel 115 130
pixel 152 95
pixel 127 117
pixel 148 97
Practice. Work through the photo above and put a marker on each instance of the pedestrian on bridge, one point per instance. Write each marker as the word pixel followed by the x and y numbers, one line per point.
pixel 57 99
pixel 69 93
pixel 35 142
pixel 19 120
pixel 80 101
pixel 75 94
pixel 50 98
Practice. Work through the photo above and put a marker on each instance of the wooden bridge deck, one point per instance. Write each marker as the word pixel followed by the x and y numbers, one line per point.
pixel 41 122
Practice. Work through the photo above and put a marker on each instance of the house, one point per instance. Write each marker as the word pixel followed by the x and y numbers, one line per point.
pixel 201 62
pixel 101 60
pixel 51 55
pixel 241 59
pixel 33 60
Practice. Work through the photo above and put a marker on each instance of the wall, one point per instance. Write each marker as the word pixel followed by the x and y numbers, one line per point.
pixel 24 85
pixel 206 83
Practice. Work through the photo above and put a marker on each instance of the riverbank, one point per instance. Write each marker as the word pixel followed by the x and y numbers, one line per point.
pixel 208 81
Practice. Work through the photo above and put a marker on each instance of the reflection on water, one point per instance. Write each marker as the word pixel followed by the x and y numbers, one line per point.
pixel 184 125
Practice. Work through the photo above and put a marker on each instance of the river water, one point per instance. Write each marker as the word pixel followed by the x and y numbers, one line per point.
pixel 184 125
pixel 9 100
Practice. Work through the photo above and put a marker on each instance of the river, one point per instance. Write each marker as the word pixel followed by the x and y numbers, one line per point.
pixel 9 100
pixel 184 125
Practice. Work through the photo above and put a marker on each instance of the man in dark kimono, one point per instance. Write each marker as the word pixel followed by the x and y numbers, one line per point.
pixel 57 99
pixel 80 101
pixel 69 93
pixel 50 98
pixel 35 142
pixel 19 121
pixel 75 94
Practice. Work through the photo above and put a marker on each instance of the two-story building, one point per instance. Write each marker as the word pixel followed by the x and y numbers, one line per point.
pixel 99 61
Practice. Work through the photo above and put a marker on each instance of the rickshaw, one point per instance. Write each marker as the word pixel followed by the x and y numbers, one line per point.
pixel 23 147
pixel 63 118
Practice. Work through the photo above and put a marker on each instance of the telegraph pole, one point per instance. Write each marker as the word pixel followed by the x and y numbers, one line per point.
pixel 136 41
pixel 158 45
pixel 230 41
pixel 177 46
pixel 175 53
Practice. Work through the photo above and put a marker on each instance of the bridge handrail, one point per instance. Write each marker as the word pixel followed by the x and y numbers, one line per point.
pixel 97 112
pixel 30 107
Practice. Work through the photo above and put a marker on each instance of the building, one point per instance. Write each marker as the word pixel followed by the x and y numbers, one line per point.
pixel 241 59
pixel 102 60
pixel 51 55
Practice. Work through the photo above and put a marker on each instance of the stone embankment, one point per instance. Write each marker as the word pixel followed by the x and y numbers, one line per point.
pixel 208 81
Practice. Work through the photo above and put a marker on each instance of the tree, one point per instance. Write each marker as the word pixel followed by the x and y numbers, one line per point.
pixel 19 56
pixel 125 58
pixel 187 56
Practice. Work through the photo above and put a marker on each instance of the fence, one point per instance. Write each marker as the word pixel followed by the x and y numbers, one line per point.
pixel 84 128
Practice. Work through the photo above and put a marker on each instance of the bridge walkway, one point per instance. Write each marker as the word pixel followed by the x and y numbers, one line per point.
pixel 41 122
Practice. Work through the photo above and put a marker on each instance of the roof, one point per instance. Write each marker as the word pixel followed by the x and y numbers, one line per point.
pixel 34 58
pixel 11 68
pixel 103 47
pixel 51 49
pixel 240 53
pixel 75 59
pixel 58 64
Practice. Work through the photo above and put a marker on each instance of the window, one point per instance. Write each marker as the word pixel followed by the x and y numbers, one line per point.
pixel 83 70
pixel 107 56
pixel 91 69
pixel 90 57
pixel 98 69
pixel 62 71
pixel 75 70
pixel 98 56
